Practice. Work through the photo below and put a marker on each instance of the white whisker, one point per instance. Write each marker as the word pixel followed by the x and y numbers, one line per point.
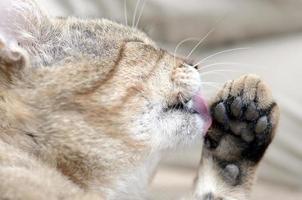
pixel 222 70
pixel 226 63
pixel 125 12
pixel 180 43
pixel 211 85
pixel 219 53
pixel 141 13
pixel 200 41
pixel 214 83
pixel 214 72
pixel 217 23
pixel 135 12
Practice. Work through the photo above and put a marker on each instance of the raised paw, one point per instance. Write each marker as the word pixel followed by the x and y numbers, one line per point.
pixel 244 120
pixel 244 123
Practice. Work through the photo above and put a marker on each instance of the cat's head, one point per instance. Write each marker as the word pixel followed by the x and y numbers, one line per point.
pixel 102 81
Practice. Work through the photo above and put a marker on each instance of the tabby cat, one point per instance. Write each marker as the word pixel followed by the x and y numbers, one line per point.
pixel 87 107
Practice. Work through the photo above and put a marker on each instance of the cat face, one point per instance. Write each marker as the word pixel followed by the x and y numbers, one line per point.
pixel 102 79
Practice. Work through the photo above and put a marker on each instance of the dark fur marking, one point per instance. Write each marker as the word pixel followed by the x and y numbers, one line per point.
pixel 132 91
pixel 32 136
pixel 110 73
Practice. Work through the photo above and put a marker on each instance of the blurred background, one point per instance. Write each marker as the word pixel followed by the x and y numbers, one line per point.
pixel 238 36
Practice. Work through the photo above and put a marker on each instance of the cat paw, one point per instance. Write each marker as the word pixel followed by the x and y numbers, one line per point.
pixel 245 117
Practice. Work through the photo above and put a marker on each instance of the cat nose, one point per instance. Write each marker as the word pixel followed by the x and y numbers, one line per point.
pixel 192 63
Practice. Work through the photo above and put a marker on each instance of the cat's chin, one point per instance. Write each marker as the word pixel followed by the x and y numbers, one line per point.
pixel 198 131
pixel 183 125
pixel 195 133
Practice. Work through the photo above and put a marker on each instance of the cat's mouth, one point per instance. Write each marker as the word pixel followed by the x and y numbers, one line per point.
pixel 197 106
pixel 183 107
pixel 200 105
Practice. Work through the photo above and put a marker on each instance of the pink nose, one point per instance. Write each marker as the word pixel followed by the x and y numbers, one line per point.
pixel 201 106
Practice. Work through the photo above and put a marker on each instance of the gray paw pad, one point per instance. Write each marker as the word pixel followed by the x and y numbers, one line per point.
pixel 244 120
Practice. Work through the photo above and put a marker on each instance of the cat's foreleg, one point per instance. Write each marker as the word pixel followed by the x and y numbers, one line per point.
pixel 244 124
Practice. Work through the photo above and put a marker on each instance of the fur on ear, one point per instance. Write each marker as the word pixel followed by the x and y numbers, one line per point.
pixel 12 61
pixel 21 22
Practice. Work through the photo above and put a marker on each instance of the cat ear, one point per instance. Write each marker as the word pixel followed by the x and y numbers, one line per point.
pixel 13 59
pixel 20 21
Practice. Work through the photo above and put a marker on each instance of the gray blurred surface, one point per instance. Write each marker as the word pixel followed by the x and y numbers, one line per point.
pixel 173 183
pixel 174 20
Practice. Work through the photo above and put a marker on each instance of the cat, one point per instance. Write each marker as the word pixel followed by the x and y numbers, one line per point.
pixel 87 107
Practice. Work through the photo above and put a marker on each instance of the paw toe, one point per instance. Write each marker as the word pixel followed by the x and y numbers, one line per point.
pixel 261 125
pixel 251 112
pixel 220 113
pixel 236 107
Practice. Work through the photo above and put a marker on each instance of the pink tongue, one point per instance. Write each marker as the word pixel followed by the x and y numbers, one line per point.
pixel 200 105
